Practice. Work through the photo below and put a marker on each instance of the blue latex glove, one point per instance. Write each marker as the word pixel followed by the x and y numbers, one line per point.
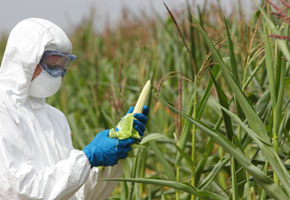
pixel 105 151
pixel 139 124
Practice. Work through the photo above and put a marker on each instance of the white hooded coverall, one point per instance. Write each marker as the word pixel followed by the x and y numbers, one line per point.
pixel 37 159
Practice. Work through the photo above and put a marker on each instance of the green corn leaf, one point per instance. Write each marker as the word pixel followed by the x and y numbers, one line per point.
pixel 200 110
pixel 269 65
pixel 185 155
pixel 202 162
pixel 203 102
pixel 232 54
pixel 151 137
pixel 264 181
pixel 173 184
pixel 234 65
pixel 168 170
pixel 253 119
pixel 185 132
pixel 229 130
pixel 268 151
pixel 209 178
pixel 281 43
pixel 224 102
pixel 254 72
pixel 255 122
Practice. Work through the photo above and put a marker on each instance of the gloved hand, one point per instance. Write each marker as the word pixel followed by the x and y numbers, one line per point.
pixel 139 124
pixel 105 151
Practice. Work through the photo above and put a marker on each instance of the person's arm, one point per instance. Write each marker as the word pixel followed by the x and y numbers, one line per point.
pixel 94 189
pixel 101 190
pixel 22 177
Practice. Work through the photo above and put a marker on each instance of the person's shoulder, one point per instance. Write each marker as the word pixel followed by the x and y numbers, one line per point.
pixel 2 104
pixel 3 107
pixel 56 113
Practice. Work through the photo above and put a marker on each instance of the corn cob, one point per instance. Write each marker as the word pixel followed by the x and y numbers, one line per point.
pixel 142 98
pixel 125 126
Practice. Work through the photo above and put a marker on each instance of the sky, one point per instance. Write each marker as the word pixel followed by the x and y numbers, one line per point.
pixel 69 13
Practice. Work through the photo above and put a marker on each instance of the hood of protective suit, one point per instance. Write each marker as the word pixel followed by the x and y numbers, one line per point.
pixel 25 46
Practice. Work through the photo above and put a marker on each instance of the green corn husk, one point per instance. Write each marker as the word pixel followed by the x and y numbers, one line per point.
pixel 125 129
pixel 125 126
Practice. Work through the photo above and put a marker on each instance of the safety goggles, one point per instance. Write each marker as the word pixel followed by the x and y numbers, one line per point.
pixel 56 63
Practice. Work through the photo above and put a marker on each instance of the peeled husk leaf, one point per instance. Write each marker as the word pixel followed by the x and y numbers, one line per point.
pixel 125 129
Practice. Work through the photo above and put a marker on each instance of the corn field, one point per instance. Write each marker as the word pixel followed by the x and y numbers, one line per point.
pixel 219 120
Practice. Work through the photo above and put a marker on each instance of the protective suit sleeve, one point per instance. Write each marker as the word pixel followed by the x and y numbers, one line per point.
pixel 21 179
pixel 101 190
pixel 94 189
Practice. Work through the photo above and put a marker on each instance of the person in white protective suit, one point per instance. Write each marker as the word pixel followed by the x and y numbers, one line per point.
pixel 37 159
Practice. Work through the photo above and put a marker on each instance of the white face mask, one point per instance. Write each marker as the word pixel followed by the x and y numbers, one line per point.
pixel 44 85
